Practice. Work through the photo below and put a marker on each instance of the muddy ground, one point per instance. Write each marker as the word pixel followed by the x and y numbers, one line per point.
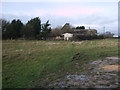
pixel 97 74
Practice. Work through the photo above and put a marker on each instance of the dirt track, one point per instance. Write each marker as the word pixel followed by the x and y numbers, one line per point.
pixel 98 74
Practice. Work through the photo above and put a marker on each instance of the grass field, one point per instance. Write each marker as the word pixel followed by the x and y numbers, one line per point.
pixel 29 64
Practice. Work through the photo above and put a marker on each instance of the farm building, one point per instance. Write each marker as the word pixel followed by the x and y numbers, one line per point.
pixel 70 32
pixel 67 32
pixel 67 36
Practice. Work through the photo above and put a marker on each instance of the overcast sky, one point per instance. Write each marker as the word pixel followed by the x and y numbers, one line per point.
pixel 90 14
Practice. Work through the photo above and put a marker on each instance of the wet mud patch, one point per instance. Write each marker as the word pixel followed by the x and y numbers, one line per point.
pixel 76 77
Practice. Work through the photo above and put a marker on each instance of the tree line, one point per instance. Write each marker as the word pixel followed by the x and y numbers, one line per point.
pixel 33 29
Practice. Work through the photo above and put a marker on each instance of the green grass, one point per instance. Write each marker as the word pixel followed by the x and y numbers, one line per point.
pixel 29 64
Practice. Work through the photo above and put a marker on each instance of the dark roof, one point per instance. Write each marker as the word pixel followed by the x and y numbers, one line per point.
pixel 67 25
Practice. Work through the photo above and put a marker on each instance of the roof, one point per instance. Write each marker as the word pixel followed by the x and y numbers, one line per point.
pixel 67 33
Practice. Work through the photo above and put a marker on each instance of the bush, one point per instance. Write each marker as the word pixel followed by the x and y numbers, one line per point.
pixel 87 37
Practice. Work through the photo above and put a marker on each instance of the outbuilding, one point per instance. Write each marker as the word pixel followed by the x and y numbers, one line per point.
pixel 67 36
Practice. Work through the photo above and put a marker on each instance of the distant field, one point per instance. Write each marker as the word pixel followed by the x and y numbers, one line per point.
pixel 29 64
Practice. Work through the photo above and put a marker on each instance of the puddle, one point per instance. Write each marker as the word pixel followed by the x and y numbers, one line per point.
pixel 96 62
pixel 113 58
pixel 77 77
pixel 111 74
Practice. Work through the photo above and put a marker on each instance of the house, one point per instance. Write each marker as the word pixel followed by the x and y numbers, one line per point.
pixel 67 32
pixel 85 32
pixel 67 36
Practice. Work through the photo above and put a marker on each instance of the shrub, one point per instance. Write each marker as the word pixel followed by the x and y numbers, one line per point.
pixel 87 37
